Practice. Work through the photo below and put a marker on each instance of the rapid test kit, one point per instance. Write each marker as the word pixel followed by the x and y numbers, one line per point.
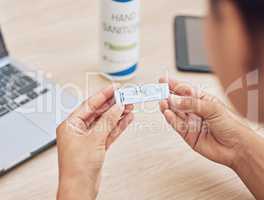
pixel 142 93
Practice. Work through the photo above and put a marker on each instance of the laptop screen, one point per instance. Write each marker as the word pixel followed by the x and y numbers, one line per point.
pixel 3 50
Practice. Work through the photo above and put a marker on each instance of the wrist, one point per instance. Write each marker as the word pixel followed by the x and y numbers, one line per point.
pixel 78 187
pixel 249 164
pixel 247 140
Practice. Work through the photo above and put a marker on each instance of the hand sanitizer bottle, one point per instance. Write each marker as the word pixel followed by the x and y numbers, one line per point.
pixel 119 38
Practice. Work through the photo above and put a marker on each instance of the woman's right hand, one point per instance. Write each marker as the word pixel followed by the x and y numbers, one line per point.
pixel 206 124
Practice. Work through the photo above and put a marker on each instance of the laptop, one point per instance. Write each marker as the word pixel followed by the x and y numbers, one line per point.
pixel 30 110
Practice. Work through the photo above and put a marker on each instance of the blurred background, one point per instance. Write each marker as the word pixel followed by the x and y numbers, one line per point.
pixel 31 31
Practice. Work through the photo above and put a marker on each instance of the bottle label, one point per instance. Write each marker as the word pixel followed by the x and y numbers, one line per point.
pixel 120 36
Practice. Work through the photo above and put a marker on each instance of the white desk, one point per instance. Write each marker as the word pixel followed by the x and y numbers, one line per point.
pixel 150 162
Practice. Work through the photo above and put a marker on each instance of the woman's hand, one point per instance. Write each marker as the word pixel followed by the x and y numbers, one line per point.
pixel 206 124
pixel 212 130
pixel 83 140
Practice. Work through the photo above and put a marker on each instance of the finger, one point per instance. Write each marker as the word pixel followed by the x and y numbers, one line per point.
pixel 172 102
pixel 177 87
pixel 108 121
pixel 176 122
pixel 202 108
pixel 121 126
pixel 88 107
pixel 173 108
pixel 128 109
pixel 182 115
pixel 164 79
pixel 164 105
pixel 106 106
pixel 103 109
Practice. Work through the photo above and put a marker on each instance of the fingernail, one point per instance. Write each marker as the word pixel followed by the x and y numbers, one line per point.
pixel 176 100
pixel 116 85
pixel 167 110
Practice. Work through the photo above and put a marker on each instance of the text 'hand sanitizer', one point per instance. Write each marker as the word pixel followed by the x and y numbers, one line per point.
pixel 119 38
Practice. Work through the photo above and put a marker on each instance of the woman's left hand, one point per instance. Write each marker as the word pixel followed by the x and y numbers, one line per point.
pixel 83 140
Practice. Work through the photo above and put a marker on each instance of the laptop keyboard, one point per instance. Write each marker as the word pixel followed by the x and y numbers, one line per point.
pixel 16 89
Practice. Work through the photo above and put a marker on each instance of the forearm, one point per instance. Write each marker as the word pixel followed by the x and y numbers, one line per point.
pixel 250 164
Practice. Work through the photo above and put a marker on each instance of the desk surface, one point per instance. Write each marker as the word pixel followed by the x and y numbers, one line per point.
pixel 150 161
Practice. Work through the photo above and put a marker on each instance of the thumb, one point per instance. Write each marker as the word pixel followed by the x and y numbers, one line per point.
pixel 203 108
pixel 108 121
